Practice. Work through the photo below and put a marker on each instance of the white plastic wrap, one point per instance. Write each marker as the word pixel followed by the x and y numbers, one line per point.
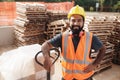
pixel 19 64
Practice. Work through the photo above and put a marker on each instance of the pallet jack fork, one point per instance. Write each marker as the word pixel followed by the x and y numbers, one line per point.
pixel 55 59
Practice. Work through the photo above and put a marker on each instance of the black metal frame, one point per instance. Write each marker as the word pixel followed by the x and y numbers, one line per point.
pixel 55 59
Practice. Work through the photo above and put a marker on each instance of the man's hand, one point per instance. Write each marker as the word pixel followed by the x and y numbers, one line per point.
pixel 89 68
pixel 45 48
pixel 47 64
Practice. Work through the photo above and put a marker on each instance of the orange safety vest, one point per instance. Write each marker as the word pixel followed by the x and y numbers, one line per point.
pixel 73 63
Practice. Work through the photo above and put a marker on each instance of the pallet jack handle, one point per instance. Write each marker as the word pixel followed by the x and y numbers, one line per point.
pixel 55 59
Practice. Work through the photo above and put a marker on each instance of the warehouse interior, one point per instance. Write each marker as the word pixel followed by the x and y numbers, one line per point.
pixel 32 23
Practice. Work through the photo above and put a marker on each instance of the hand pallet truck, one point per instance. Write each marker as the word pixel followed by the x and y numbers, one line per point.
pixel 55 59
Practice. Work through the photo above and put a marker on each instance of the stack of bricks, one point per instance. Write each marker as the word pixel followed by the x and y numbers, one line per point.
pixel 115 39
pixel 102 27
pixel 30 24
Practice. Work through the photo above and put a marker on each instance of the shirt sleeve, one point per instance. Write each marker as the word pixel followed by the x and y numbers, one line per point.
pixel 56 41
pixel 96 43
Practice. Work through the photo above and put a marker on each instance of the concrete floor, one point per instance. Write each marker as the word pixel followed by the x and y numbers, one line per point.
pixel 108 74
pixel 7 48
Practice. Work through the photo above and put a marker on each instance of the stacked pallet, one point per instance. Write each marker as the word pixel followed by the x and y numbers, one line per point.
pixel 107 59
pixel 102 27
pixel 115 39
pixel 56 23
pixel 56 27
pixel 56 15
pixel 88 20
pixel 30 23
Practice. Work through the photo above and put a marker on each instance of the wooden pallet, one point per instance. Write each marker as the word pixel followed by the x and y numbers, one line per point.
pixel 104 67
pixel 31 17
pixel 31 7
pixel 116 61
pixel 32 33
pixel 115 39
pixel 19 43
pixel 56 27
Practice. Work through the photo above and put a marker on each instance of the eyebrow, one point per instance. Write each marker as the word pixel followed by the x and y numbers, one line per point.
pixel 76 19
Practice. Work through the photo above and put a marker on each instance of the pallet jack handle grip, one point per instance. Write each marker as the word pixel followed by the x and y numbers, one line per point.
pixel 49 55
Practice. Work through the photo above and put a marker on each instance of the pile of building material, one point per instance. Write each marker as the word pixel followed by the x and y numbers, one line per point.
pixel 115 39
pixel 102 27
pixel 30 23
pixel 56 15
pixel 56 23
pixel 107 59
pixel 56 27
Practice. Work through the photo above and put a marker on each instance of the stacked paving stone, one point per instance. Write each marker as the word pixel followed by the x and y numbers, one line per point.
pixel 30 23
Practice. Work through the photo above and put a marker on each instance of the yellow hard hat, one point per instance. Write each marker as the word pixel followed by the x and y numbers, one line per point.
pixel 76 10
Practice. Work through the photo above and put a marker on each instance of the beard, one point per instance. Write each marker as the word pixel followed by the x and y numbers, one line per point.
pixel 76 29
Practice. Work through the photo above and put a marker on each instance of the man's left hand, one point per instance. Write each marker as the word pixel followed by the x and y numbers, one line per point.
pixel 89 68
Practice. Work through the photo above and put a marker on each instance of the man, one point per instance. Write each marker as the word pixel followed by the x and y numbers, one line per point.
pixel 76 45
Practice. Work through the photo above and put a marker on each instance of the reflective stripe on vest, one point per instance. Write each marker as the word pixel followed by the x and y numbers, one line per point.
pixel 72 71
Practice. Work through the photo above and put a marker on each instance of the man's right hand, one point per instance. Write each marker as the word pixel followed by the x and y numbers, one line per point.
pixel 45 48
pixel 47 63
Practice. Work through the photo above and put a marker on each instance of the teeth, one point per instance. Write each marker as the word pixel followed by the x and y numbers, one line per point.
pixel 76 27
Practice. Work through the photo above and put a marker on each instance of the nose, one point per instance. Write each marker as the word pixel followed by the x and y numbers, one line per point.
pixel 76 22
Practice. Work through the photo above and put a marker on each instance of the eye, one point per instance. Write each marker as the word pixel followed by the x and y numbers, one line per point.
pixel 73 20
pixel 79 20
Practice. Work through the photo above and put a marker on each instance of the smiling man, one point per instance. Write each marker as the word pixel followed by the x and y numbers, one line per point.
pixel 76 45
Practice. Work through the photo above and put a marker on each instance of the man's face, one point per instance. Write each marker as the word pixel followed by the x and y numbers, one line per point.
pixel 76 23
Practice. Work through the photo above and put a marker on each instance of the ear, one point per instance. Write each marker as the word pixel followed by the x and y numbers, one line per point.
pixel 66 25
